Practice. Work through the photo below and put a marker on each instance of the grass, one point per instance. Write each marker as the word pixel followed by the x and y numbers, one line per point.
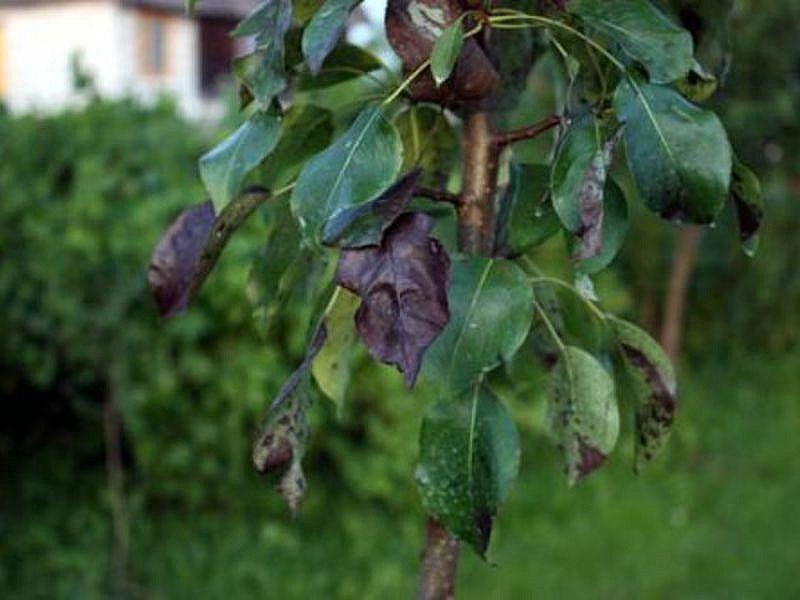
pixel 714 519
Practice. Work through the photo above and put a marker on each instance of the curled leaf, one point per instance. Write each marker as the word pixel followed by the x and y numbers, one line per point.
pixel 403 287
pixel 284 433
pixel 176 257
pixel 746 194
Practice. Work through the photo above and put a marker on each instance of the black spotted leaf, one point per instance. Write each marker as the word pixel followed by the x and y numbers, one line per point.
pixel 746 194
pixel 526 217
pixel 225 167
pixel 469 458
pixel 650 379
pixel 324 30
pixel 403 287
pixel 643 33
pixel 284 432
pixel 679 154
pixel 332 366
pixel 583 413
pixel 578 181
pixel 357 167
pixel 364 224
pixel 176 256
pixel 490 315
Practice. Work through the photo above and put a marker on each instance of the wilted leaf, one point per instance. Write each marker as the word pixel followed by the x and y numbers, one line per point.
pixel 353 170
pixel 176 256
pixel 643 33
pixel 679 154
pixel 283 435
pixel 225 167
pixel 490 315
pixel 651 380
pixel 324 30
pixel 469 458
pixel 526 217
pixel 403 287
pixel 583 412
pixel 698 85
pixel 446 50
pixel 746 194
pixel 331 368
pixel 363 225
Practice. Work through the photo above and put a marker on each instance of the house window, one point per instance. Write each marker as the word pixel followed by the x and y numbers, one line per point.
pixel 153 57
pixel 216 52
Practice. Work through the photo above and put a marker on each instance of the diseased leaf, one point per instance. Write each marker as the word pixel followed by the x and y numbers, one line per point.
pixel 583 412
pixel 746 194
pixel 469 458
pixel 331 367
pixel 403 287
pixel 643 33
pixel 353 170
pixel 225 167
pixel 679 154
pixel 616 223
pixel 652 383
pixel 490 315
pixel 526 217
pixel 176 257
pixel 324 30
pixel 284 432
pixel 363 225
pixel 578 181
pixel 446 50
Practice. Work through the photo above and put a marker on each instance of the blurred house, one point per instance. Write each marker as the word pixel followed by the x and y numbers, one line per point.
pixel 142 48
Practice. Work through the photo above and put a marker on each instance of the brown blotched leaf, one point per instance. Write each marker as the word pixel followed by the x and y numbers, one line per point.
pixel 412 27
pixel 284 432
pixel 175 258
pixel 403 287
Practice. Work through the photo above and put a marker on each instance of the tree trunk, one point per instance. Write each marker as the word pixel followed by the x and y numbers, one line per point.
pixel 683 262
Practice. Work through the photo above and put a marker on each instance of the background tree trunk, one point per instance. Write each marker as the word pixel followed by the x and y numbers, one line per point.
pixel 683 263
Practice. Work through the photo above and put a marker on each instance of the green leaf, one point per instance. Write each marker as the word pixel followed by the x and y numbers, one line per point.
pixel 344 63
pixel 268 22
pixel 616 223
pixel 490 315
pixel 698 85
pixel 225 167
pixel 746 194
pixel 353 170
pixel 651 382
pixel 307 130
pixel 284 432
pixel 526 217
pixel 643 33
pixel 679 154
pixel 332 366
pixel 262 75
pixel 469 458
pixel 446 50
pixel 324 30
pixel 429 142
pixel 578 181
pixel 583 412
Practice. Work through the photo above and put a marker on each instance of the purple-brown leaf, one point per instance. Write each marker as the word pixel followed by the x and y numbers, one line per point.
pixel 403 287
pixel 176 256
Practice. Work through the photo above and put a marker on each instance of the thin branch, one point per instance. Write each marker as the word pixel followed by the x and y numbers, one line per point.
pixel 503 138
pixel 437 195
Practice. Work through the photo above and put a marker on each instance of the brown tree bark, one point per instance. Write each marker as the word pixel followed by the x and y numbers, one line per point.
pixel 684 259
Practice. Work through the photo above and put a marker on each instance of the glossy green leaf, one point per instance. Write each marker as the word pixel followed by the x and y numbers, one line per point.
pixel 268 22
pixel 526 217
pixel 261 73
pixel 324 30
pixel 643 33
pixel 652 385
pixel 353 170
pixel 490 315
pixel 679 154
pixel 469 458
pixel 616 223
pixel 583 412
pixel 345 62
pixel 332 367
pixel 225 167
pixel 446 50
pixel 746 194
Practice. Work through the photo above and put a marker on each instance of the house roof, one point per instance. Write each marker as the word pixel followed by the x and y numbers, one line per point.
pixel 206 8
